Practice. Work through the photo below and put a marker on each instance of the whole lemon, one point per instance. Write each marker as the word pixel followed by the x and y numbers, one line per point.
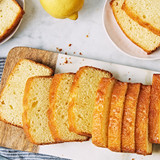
pixel 63 8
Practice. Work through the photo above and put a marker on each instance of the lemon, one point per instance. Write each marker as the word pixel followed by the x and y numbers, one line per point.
pixel 63 8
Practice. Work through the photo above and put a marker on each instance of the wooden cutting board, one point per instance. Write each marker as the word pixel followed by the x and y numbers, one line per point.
pixel 10 136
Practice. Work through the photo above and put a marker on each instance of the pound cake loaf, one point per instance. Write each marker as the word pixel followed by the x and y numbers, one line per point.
pixel 139 35
pixel 129 118
pixel 10 15
pixel 11 97
pixel 82 99
pixel 143 146
pixel 101 112
pixel 58 109
pixel 145 12
pixel 36 105
pixel 116 116
pixel 154 112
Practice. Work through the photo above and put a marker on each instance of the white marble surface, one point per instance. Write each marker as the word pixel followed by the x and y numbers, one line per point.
pixel 40 30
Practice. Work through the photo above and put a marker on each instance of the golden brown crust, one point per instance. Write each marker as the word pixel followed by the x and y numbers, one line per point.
pixel 129 117
pixel 11 74
pixel 26 122
pixel 154 113
pixel 51 70
pixel 148 51
pixel 71 116
pixel 17 64
pixel 14 24
pixel 98 114
pixel 52 98
pixel 116 116
pixel 142 142
pixel 3 120
pixel 139 20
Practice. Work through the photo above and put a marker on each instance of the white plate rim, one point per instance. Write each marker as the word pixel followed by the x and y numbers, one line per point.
pixel 15 30
pixel 120 50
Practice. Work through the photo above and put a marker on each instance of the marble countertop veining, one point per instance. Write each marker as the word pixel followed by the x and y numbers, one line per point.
pixel 40 30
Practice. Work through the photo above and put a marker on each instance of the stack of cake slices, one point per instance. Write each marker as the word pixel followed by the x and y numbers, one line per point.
pixel 140 22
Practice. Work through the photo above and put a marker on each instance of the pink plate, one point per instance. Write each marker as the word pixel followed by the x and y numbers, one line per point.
pixel 119 39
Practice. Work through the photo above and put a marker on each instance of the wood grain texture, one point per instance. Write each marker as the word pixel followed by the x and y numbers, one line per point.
pixel 11 136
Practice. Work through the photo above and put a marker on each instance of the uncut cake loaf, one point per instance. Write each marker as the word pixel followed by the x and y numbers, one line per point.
pixel 11 97
pixel 139 35
pixel 10 15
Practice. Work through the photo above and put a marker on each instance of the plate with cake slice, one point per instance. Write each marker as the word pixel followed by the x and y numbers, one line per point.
pixel 131 29
pixel 11 15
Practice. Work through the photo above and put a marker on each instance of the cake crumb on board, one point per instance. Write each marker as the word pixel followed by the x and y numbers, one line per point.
pixel 59 49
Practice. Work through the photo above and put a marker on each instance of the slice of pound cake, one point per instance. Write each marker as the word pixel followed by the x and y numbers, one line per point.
pixel 129 118
pixel 82 99
pixel 139 35
pixel 143 146
pixel 36 105
pixel 58 110
pixel 154 112
pixel 101 112
pixel 10 15
pixel 145 12
pixel 116 116
pixel 11 97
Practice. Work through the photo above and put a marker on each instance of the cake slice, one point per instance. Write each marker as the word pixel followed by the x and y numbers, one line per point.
pixel 145 12
pixel 10 15
pixel 11 97
pixel 36 105
pixel 101 112
pixel 82 99
pixel 139 35
pixel 143 146
pixel 154 113
pixel 116 116
pixel 58 110
pixel 129 118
